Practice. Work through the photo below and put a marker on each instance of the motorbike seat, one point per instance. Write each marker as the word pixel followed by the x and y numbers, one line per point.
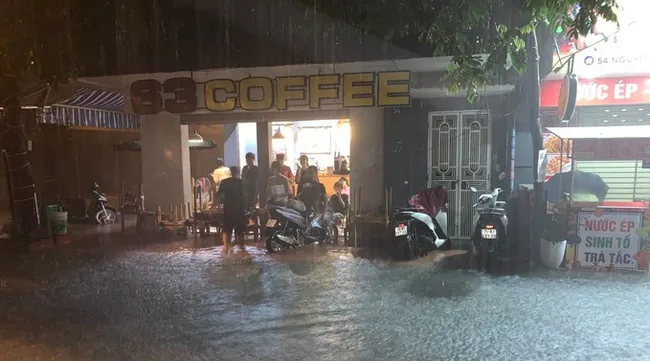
pixel 496 211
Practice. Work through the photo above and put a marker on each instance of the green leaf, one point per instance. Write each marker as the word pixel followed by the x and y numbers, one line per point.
pixel 519 43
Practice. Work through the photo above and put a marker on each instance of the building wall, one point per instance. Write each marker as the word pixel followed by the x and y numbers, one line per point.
pixel 406 142
pixel 66 161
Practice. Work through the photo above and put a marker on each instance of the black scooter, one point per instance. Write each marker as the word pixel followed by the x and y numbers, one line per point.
pixel 489 236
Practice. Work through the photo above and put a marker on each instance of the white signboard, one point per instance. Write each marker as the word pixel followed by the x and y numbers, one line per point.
pixel 608 239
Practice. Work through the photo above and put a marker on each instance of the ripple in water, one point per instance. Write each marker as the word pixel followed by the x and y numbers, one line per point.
pixel 203 304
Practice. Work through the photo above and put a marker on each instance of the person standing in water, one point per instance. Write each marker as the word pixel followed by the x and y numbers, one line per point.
pixel 231 193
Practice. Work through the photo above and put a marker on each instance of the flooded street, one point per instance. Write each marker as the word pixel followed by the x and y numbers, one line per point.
pixel 157 303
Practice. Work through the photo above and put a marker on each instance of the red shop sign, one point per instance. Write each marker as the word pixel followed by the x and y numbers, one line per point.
pixel 603 91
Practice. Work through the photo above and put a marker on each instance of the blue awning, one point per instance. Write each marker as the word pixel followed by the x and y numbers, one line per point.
pixel 90 118
pixel 95 99
pixel 89 108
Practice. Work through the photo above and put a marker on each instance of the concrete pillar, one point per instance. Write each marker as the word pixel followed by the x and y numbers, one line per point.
pixel 524 169
pixel 231 154
pixel 367 157
pixel 165 161
pixel 263 157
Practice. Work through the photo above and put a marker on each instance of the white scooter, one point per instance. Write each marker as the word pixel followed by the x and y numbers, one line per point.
pixel 418 233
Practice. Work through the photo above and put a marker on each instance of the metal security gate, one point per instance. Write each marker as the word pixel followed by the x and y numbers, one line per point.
pixel 459 158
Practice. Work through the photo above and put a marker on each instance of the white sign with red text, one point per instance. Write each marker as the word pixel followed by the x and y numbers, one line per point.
pixel 608 239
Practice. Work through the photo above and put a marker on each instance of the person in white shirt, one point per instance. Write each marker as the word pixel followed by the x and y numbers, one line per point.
pixel 278 190
pixel 220 173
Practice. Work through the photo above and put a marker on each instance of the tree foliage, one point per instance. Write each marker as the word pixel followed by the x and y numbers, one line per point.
pixel 486 38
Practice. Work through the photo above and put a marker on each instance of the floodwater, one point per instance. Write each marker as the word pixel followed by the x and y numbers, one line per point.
pixel 163 303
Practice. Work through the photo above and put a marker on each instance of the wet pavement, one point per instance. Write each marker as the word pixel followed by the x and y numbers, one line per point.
pixel 192 301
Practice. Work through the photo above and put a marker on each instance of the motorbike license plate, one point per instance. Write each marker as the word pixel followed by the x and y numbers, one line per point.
pixel 489 233
pixel 270 223
pixel 400 230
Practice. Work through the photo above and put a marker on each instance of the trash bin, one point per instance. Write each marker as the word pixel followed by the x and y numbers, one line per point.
pixel 59 223
pixel 47 215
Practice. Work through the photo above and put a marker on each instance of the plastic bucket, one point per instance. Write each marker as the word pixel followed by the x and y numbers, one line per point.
pixel 47 215
pixel 59 223
pixel 552 253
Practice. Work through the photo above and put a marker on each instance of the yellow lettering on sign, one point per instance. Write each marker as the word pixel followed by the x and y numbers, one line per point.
pixel 229 103
pixel 246 100
pixel 393 88
pixel 285 90
pixel 359 90
pixel 322 87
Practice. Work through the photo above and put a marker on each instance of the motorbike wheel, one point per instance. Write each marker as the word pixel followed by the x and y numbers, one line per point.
pixel 108 217
pixel 273 246
pixel 407 248
pixel 484 261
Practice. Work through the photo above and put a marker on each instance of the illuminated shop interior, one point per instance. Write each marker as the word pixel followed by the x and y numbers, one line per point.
pixel 612 142
pixel 325 142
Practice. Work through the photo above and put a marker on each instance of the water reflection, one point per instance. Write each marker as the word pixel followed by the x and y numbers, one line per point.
pixel 187 302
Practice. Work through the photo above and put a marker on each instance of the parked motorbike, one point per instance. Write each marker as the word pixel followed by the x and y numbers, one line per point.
pixel 98 210
pixel 422 227
pixel 293 225
pixel 489 238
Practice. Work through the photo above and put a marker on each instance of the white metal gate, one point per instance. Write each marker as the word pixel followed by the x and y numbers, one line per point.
pixel 459 158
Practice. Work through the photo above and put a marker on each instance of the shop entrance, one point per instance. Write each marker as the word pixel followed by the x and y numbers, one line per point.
pixel 459 158
pixel 325 143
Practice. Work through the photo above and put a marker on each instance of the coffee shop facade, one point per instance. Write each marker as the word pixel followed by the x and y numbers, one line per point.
pixel 405 131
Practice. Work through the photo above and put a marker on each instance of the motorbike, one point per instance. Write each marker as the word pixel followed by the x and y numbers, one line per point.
pixel 422 227
pixel 489 236
pixel 98 210
pixel 292 225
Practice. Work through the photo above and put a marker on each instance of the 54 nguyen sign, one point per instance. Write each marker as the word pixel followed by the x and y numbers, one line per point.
pixel 184 95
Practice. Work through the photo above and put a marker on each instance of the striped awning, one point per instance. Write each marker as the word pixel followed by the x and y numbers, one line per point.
pixel 89 98
pixel 89 118
pixel 89 108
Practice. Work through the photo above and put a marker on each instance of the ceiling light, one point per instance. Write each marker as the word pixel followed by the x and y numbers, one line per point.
pixel 195 138
pixel 615 115
pixel 623 120
pixel 640 109
pixel 605 121
pixel 623 110
pixel 640 120
pixel 606 110
pixel 278 134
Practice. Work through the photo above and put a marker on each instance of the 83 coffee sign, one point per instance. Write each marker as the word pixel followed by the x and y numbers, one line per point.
pixel 608 239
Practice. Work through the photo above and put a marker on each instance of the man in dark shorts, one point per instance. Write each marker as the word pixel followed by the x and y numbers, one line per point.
pixel 231 193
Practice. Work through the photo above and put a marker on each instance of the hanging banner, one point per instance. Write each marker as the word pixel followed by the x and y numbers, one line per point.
pixel 609 239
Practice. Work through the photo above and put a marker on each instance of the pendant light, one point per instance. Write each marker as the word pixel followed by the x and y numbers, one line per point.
pixel 196 138
pixel 278 134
